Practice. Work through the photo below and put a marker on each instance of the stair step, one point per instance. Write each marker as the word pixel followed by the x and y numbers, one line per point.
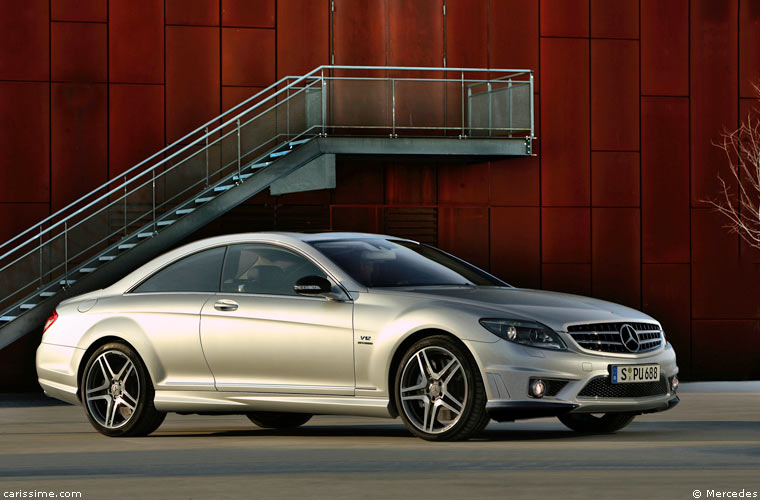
pixel 165 223
pixel 67 282
pixel 27 306
pixel 279 153
pixel 184 211
pixel 256 166
pixel 204 199
pixel 244 176
pixel 296 143
pixel 7 318
pixel 127 246
pixel 47 294
pixel 88 270
pixel 223 188
pixel 106 258
pixel 145 235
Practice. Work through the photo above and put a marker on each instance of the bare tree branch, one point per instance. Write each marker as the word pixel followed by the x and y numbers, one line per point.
pixel 739 198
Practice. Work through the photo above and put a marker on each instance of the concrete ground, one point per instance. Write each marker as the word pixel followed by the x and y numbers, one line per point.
pixel 711 441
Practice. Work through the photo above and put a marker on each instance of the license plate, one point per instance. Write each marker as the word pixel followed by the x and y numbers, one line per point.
pixel 628 374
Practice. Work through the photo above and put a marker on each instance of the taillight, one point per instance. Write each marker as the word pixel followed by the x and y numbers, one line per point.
pixel 50 321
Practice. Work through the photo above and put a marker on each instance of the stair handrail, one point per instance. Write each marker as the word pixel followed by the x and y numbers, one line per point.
pixel 123 175
pixel 296 80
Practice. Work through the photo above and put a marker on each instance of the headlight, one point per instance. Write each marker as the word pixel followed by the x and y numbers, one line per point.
pixel 524 332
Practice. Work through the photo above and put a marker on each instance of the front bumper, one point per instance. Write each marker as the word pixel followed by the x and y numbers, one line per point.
pixel 508 369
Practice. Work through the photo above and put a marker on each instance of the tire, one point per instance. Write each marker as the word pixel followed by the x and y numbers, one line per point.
pixel 274 420
pixel 117 393
pixel 438 375
pixel 591 424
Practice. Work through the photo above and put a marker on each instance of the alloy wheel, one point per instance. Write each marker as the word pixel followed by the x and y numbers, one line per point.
pixel 112 389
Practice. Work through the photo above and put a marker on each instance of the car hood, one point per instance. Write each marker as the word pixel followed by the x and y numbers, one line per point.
pixel 553 309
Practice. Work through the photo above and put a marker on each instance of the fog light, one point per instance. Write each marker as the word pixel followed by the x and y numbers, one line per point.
pixel 537 388
pixel 674 383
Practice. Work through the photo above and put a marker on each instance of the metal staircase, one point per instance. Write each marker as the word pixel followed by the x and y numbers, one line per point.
pixel 333 110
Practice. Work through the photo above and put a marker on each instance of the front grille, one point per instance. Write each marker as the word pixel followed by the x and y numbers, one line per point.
pixel 605 337
pixel 600 387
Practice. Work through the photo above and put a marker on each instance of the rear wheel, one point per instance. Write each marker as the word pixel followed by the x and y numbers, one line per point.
pixel 117 393
pixel 439 392
pixel 604 423
pixel 276 420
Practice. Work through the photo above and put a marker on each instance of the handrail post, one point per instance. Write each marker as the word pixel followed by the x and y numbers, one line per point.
pixel 287 113
pixel 153 184
pixel 240 177
pixel 490 105
pixel 532 134
pixel 65 254
pixel 324 101
pixel 510 104
pixel 462 135
pixel 125 205
pixel 393 108
pixel 40 255
pixel 206 156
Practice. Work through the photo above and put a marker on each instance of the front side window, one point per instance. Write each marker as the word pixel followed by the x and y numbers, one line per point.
pixel 264 269
pixel 198 272
pixel 374 262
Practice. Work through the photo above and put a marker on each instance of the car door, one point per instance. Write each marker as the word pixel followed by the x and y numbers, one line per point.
pixel 260 336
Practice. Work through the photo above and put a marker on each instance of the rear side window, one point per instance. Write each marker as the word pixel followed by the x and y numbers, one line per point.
pixel 199 272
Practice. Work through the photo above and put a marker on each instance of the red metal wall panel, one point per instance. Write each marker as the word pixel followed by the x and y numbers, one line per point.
pixel 197 12
pixel 564 17
pixel 722 360
pixel 565 235
pixel 666 297
pixel 360 219
pixel 513 36
pixel 192 78
pixel 79 10
pixel 79 52
pixel 248 56
pixel 302 36
pixel 355 41
pixel 24 142
pixel 615 179
pixel 136 42
pixel 467 33
pixel 665 179
pixel 714 83
pixel 749 48
pixel 515 182
pixel 463 231
pixel 17 217
pixel 565 122
pixel 616 258
pixel 359 182
pixel 723 286
pixel 568 278
pixel 618 19
pixel 232 96
pixel 665 47
pixel 463 184
pixel 248 13
pixel 24 40
pixel 134 136
pixel 79 140
pixel 410 184
pixel 516 245
pixel 416 33
pixel 614 95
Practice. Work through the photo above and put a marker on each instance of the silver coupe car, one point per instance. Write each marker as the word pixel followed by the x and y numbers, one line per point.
pixel 282 326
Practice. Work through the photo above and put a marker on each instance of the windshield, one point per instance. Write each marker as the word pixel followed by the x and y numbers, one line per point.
pixel 375 262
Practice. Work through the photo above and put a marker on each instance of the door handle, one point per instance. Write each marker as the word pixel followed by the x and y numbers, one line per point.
pixel 225 305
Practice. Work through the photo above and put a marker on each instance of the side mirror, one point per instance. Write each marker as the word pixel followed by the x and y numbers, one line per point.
pixel 312 285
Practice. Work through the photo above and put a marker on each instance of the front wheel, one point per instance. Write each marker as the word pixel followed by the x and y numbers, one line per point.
pixel 439 392
pixel 605 423
pixel 117 393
